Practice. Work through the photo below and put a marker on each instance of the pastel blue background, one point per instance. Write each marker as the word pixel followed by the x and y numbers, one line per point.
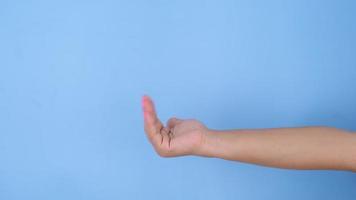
pixel 72 74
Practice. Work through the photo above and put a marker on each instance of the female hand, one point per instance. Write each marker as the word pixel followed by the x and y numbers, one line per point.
pixel 179 137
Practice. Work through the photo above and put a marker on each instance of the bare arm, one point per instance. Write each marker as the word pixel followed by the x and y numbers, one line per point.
pixel 293 148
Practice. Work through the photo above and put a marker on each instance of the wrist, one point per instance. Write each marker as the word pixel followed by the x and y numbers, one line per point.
pixel 208 144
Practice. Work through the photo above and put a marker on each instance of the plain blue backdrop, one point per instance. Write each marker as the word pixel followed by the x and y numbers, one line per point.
pixel 72 74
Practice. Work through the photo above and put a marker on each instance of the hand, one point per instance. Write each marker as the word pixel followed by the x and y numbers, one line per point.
pixel 179 137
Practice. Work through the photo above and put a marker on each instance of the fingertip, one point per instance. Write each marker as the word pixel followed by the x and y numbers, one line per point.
pixel 144 101
pixel 145 97
pixel 148 105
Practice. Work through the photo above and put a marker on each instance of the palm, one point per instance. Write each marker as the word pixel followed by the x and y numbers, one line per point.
pixel 187 136
pixel 178 137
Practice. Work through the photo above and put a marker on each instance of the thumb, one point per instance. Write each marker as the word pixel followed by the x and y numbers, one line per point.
pixel 172 122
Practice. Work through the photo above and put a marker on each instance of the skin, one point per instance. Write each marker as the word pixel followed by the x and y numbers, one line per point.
pixel 291 148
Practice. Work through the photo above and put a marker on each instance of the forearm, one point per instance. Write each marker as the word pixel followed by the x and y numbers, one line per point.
pixel 295 148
